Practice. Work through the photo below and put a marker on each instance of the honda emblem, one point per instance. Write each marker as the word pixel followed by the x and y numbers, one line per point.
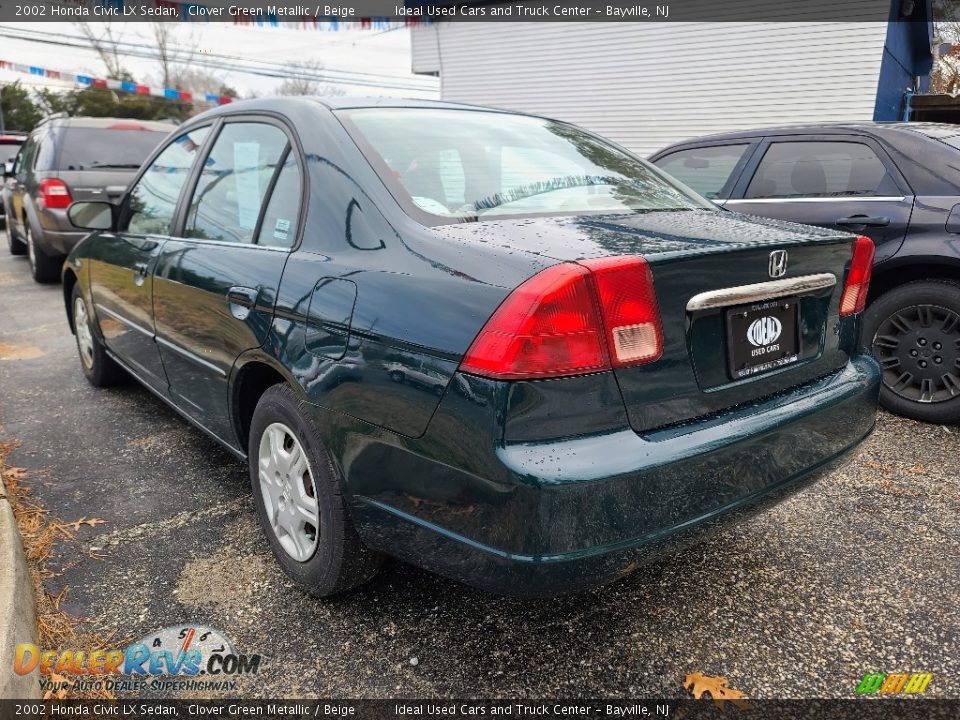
pixel 778 263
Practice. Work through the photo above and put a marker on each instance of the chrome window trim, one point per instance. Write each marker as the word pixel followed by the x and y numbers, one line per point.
pixel 757 292
pixel 846 198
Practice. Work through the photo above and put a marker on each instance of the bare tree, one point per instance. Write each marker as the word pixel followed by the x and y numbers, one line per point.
pixel 172 53
pixel 306 78
pixel 105 40
pixel 945 77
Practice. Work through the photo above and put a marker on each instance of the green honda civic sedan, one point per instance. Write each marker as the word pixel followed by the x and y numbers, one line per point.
pixel 493 345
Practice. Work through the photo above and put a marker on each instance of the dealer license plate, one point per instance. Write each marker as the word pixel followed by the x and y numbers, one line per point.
pixel 762 336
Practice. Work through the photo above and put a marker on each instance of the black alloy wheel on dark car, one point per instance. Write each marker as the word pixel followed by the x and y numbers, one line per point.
pixel 914 331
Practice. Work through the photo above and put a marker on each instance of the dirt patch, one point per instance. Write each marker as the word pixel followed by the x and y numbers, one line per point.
pixel 11 351
pixel 228 580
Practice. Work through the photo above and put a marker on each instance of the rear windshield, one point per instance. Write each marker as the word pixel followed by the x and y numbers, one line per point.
pixel 107 148
pixel 447 166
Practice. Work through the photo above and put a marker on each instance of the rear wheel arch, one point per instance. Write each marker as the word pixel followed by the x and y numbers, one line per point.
pixel 889 277
pixel 251 381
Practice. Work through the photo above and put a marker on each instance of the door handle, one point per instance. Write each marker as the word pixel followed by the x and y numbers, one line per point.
pixel 864 221
pixel 241 301
pixel 140 270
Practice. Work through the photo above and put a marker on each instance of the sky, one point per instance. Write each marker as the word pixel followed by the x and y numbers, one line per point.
pixel 367 62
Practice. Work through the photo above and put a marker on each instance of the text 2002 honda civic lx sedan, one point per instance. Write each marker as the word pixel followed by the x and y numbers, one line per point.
pixel 489 344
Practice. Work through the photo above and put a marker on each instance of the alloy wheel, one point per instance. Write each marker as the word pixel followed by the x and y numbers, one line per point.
pixel 288 491
pixel 81 323
pixel 918 348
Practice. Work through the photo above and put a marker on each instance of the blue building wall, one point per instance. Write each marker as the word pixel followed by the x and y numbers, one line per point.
pixel 906 55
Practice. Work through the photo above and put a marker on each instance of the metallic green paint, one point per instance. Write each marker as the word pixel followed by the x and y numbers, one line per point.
pixel 524 487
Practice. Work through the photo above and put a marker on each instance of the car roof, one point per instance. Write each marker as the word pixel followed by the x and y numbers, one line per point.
pixel 279 104
pixel 938 130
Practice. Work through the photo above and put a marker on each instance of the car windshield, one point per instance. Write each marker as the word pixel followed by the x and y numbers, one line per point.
pixel 460 165
pixel 124 147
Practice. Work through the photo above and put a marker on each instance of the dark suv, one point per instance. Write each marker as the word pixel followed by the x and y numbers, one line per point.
pixel 898 183
pixel 67 159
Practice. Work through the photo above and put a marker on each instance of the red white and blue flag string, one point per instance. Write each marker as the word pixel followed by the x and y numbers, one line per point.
pixel 88 81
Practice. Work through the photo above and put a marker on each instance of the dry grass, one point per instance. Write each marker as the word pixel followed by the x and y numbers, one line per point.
pixel 40 533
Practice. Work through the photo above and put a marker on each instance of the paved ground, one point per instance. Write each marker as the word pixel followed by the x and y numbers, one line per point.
pixel 862 573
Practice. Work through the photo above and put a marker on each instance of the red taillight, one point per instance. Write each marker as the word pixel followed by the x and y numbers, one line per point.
pixel 855 290
pixel 629 306
pixel 55 194
pixel 571 319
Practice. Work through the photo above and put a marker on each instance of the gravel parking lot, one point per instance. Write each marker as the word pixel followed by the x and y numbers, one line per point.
pixel 861 573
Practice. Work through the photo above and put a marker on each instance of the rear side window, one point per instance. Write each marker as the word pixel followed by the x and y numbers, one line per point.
pixel 820 169
pixel 153 200
pixel 236 175
pixel 279 228
pixel 122 146
pixel 45 153
pixel 707 170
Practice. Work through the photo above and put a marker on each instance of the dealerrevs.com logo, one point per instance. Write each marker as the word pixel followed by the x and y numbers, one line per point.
pixel 179 657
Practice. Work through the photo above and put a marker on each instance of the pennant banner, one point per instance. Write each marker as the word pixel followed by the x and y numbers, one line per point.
pixel 118 85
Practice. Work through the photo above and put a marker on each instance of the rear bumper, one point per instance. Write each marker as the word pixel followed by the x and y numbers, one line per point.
pixel 57 234
pixel 556 517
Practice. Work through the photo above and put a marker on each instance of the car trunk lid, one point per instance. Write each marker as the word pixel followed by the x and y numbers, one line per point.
pixel 697 255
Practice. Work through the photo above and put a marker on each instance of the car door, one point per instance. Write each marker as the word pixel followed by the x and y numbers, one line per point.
pixel 838 181
pixel 711 169
pixel 18 190
pixel 216 284
pixel 121 263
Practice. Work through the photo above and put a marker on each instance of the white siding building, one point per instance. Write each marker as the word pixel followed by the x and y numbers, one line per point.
pixel 647 85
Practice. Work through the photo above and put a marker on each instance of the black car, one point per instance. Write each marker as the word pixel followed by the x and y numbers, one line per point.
pixel 66 159
pixel 899 184
pixel 491 344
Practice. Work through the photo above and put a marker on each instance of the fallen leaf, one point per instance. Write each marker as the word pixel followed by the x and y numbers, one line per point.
pixel 92 522
pixel 698 684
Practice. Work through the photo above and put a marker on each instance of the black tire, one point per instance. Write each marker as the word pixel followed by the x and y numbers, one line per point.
pixel 914 332
pixel 339 561
pixel 99 368
pixel 43 267
pixel 15 246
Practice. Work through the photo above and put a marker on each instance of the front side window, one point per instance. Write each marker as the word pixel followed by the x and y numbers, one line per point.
pixel 820 169
pixel 461 165
pixel 153 200
pixel 707 170
pixel 235 177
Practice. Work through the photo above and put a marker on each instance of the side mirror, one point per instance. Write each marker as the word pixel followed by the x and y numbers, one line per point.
pixel 8 169
pixel 92 215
